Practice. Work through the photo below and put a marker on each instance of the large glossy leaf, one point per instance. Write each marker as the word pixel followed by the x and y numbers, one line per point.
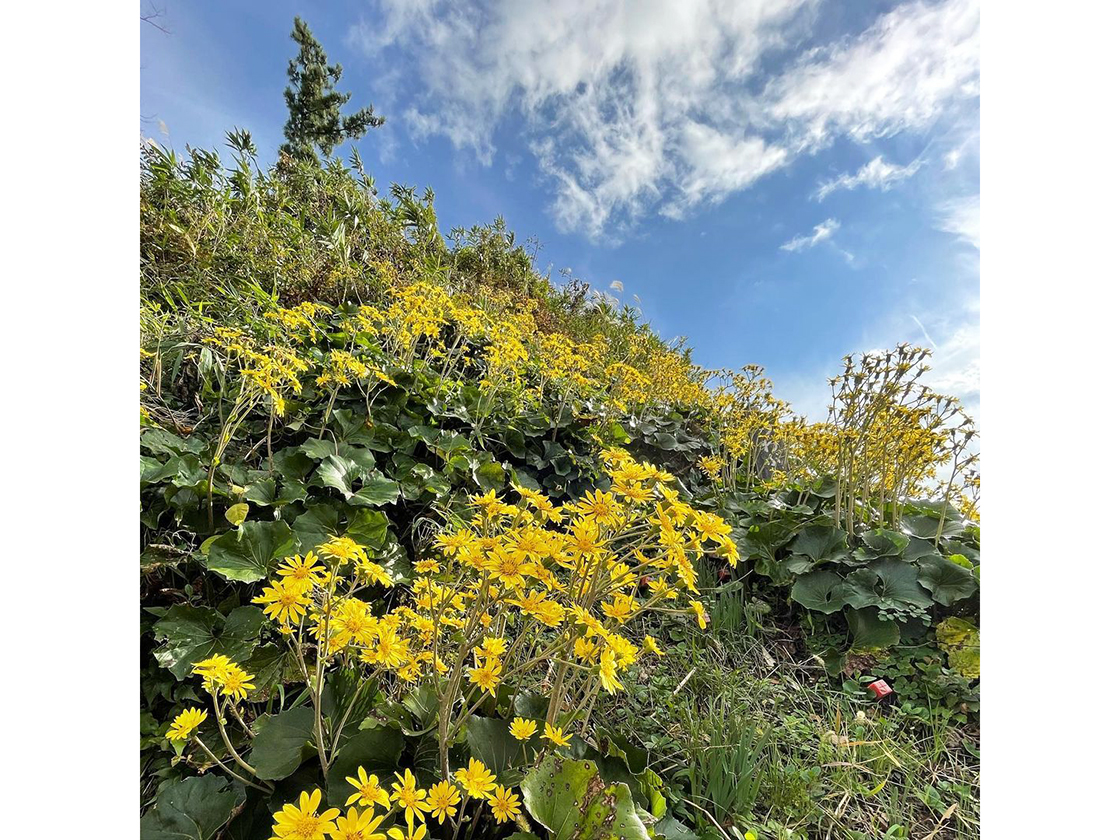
pixel 946 581
pixel 821 590
pixel 318 449
pixel 292 463
pixel 378 750
pixel 191 634
pixel 368 527
pixel 764 540
pixel 571 800
pixel 490 741
pixel 377 490
pixel 924 526
pixel 314 526
pixel 192 809
pixel 887 583
pixel 278 748
pixel 881 543
pixel 821 543
pixel 339 473
pixel 869 632
pixel 245 554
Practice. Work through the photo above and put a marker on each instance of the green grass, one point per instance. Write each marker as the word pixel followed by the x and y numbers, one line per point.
pixel 750 739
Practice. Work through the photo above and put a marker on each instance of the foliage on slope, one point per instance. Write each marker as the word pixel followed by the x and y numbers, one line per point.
pixel 322 371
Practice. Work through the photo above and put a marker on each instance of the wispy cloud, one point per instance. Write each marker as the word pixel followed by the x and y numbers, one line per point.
pixel 877 174
pixel 961 216
pixel 820 233
pixel 897 75
pixel 662 105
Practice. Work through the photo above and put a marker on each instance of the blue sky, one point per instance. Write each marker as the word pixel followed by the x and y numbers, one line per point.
pixel 782 182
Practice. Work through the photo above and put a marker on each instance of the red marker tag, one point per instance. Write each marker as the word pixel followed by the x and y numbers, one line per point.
pixel 880 689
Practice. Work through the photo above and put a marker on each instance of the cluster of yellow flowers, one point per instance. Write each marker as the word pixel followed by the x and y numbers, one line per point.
pixel 444 800
pixel 493 337
pixel 520 593
pixel 270 369
pixel 520 585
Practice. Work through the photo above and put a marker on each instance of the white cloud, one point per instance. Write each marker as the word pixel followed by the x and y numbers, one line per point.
pixel 897 75
pixel 962 217
pixel 645 106
pixel 820 233
pixel 877 173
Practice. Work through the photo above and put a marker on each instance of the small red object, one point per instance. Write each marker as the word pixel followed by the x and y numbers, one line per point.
pixel 643 582
pixel 880 689
pixel 724 574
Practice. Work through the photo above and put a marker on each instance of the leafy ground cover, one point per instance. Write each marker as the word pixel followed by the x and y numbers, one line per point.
pixel 430 545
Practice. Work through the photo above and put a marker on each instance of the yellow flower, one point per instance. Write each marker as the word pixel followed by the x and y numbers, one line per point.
pixel 212 669
pixel 504 803
pixel 442 799
pixel 408 796
pixel 701 616
pixel 286 600
pixel 621 609
pixel 343 549
pixel 556 735
pixel 185 723
pixel 303 822
pixel 304 570
pixel 476 779
pixel 522 729
pixel 487 676
pixel 235 683
pixel 608 671
pixel 355 826
pixel 491 647
pixel 370 792
pixel 650 644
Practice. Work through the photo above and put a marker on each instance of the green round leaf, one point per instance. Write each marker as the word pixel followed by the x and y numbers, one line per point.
pixel 946 581
pixel 821 543
pixel 570 799
pixel 821 590
pixel 247 553
pixel 278 746
pixel 192 809
pixel 869 632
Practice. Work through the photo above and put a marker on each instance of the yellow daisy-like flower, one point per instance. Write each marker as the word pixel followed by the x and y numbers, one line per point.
pixel 476 779
pixel 357 826
pixel 304 822
pixel 442 799
pixel 408 796
pixel 701 616
pixel 185 723
pixel 556 735
pixel 343 549
pixel 620 609
pixel 303 570
pixel 285 600
pixel 212 669
pixel 487 676
pixel 370 792
pixel 608 671
pixel 522 729
pixel 504 803
pixel 650 644
pixel 235 683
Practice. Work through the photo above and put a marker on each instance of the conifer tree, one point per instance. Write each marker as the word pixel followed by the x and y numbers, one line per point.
pixel 314 121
